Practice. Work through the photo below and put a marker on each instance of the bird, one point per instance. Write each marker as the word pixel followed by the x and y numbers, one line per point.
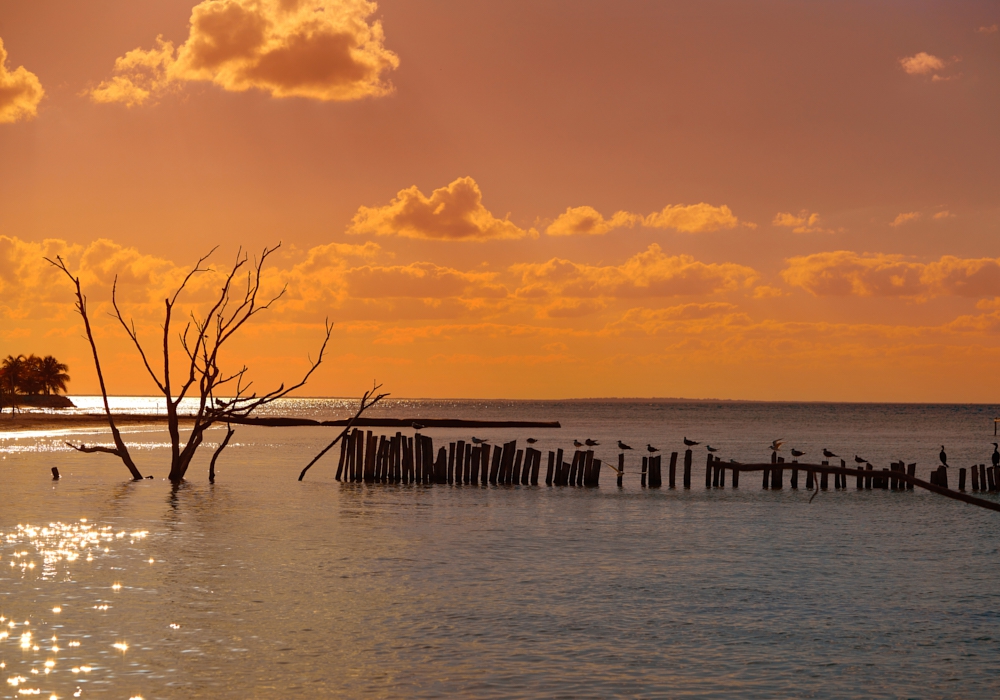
pixel 690 443
pixel 797 453
pixel 577 443
pixel 711 449
pixel 943 456
pixel 996 456
pixel 418 426
pixel 623 446
pixel 776 445
pixel 827 453
pixel 860 460
pixel 531 441
pixel 591 443
pixel 479 441
pixel 651 449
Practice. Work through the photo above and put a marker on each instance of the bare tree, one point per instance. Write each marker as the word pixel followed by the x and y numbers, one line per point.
pixel 221 397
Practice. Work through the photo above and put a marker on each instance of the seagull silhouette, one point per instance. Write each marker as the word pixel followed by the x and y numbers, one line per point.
pixel 797 453
pixel 711 449
pixel 651 449
pixel 776 445
pixel 827 453
pixel 623 446
pixel 577 443
pixel 418 426
pixel 996 456
pixel 690 443
pixel 479 441
pixel 531 441
pixel 943 456
pixel 591 443
pixel 860 460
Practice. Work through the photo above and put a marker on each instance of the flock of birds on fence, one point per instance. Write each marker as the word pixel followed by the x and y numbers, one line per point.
pixel 775 446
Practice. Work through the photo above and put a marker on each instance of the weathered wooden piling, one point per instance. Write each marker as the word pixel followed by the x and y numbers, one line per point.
pixel 715 472
pixel 655 473
pixel 536 467
pixel 343 457
pixel 982 477
pixel 736 475
pixel 573 467
pixel 687 469
pixel 495 466
pixel 645 470
pixel 550 469
pixel 514 476
pixel 795 475
pixel 911 470
pixel 961 479
pixel 991 479
pixel 868 477
pixel 371 444
pixel 776 474
pixel 672 475
pixel 586 464
pixel 722 473
pixel 809 480
pixel 708 471
pixel 824 478
pixel 766 483
pixel 975 477
pixel 621 468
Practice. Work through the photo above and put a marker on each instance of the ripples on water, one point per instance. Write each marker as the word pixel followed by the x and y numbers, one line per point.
pixel 264 586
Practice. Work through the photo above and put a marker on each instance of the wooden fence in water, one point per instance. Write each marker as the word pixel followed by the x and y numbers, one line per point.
pixel 400 459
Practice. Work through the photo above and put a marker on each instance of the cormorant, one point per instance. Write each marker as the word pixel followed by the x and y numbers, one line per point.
pixel 943 456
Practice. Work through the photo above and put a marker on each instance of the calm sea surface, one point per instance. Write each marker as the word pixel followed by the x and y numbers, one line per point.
pixel 261 586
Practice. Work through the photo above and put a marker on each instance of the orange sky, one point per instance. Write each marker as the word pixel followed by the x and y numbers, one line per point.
pixel 774 200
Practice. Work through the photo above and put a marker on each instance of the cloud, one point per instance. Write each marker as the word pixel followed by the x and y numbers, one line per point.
pixel 588 221
pixel 690 218
pixel 651 273
pixel 843 273
pixel 943 215
pixel 452 213
pixel 420 280
pixel 992 29
pixel 921 63
pixel 905 218
pixel 804 222
pixel 20 92
pixel 318 49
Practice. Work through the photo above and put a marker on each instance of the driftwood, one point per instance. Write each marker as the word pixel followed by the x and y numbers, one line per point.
pixel 902 476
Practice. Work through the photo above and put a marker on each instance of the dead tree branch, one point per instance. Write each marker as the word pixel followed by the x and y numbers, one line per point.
pixel 369 399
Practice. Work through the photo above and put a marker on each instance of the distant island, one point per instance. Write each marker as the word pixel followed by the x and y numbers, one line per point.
pixel 33 381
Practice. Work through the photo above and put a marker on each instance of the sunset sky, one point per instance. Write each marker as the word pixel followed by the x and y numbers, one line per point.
pixel 744 200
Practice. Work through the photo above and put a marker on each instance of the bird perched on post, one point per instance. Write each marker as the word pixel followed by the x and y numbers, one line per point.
pixel 577 443
pixel 591 443
pixel 651 449
pixel 776 445
pixel 711 449
pixel 860 460
pixel 828 454
pixel 797 453
pixel 479 441
pixel 996 456
pixel 943 456
pixel 623 446
pixel 690 443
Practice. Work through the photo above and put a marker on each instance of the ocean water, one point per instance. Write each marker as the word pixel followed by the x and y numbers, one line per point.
pixel 263 586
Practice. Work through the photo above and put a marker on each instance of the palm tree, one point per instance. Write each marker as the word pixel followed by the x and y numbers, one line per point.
pixel 52 375
pixel 13 373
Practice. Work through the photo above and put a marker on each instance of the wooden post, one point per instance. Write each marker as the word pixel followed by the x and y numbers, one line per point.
pixel 550 469
pixel 991 479
pixel 655 472
pixel 868 478
pixel 418 458
pixel 507 461
pixel 583 469
pixel 722 473
pixel 343 457
pixel 55 473
pixel 673 470
pixel 884 481
pixel 557 478
pixel 943 476
pixel 843 478
pixel 776 475
pixel 359 457
pixel 961 479
pixel 397 475
pixel 645 470
pixel 708 471
pixel 824 478
pixel 736 475
pixel 495 466
pixel 809 480
pixel 975 477
pixel 515 473
pixel 766 483
pixel 982 476
pixel 795 476
pixel 595 474
pixel 621 468
pixel 535 467
pixel 370 453
pixel 687 469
